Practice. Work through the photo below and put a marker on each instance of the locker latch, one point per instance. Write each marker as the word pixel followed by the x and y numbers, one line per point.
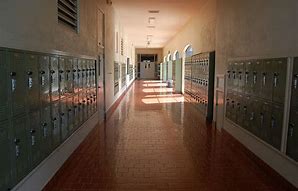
pixel 45 130
pixel 30 79
pixel 240 75
pixel 42 78
pixel 13 81
pixel 255 77
pixel 291 129
pixel 32 137
pixel 17 141
pixel 275 79
pixel 234 75
pixel 252 116
pixel 295 81
pixel 264 79
pixel 246 77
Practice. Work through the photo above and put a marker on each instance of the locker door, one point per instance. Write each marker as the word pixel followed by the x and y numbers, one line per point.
pixel 264 120
pixel 230 81
pixel 240 77
pixel 88 74
pixel 75 76
pixel 69 80
pixel 4 81
pixel 276 126
pixel 248 77
pixel 56 124
pixel 279 80
pixel 34 142
pixel 239 111
pixel 84 105
pixel 292 145
pixel 256 77
pixel 254 111
pixel 294 99
pixel 266 80
pixel 32 78
pixel 20 145
pixel 18 83
pixel 80 74
pixel 63 119
pixel 229 105
pixel 70 114
pixel 81 110
pixel 235 77
pixel 54 79
pixel 62 78
pixel 246 112
pixel 44 80
pixel 46 133
pixel 93 74
pixel 83 73
pixel 5 172
pixel 76 111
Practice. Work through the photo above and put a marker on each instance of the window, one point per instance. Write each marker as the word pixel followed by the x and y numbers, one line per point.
pixel 68 13
pixel 188 51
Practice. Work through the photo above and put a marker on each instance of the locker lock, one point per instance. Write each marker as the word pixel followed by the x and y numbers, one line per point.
pixel 61 71
pixel 84 101
pixel 79 70
pixel 54 119
pixel 42 72
pixel 68 71
pixel 29 73
pixel 13 73
pixel 32 131
pixel 295 81
pixel 53 72
pixel 291 129
pixel 44 124
pixel 74 70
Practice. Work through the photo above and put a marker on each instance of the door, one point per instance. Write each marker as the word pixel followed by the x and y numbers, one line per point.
pixel 100 87
pixel 147 70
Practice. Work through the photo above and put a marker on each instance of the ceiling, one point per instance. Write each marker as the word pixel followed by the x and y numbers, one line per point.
pixel 172 16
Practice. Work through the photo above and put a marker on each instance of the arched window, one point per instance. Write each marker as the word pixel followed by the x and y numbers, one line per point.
pixel 169 57
pixel 188 51
pixel 176 55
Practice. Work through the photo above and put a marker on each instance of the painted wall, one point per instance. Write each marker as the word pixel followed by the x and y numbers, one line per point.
pixel 199 32
pixel 36 28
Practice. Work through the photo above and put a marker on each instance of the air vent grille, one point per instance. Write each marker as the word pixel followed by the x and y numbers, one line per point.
pixel 68 13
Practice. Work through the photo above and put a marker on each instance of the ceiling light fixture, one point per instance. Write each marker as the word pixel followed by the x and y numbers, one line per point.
pixel 151 20
pixel 151 27
pixel 153 11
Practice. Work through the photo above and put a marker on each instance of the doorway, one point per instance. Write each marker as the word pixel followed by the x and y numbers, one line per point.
pixel 147 70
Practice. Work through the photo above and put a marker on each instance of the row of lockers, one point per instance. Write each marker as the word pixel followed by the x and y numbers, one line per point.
pixel 130 72
pixel 199 81
pixel 256 102
pixel 263 78
pixel 123 75
pixel 30 79
pixel 116 77
pixel 44 99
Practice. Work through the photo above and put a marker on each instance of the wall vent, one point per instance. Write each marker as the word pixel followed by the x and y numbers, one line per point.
pixel 68 13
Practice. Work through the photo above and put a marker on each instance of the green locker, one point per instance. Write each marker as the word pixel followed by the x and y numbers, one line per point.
pixel 294 99
pixel 18 83
pixel 54 78
pixel 75 76
pixel 69 80
pixel 76 109
pixel 93 74
pixel 80 110
pixel 34 137
pixel 266 80
pixel 70 114
pixel 256 77
pixel 247 109
pixel 46 132
pixel 88 73
pixel 44 80
pixel 254 111
pixel 83 100
pixel 275 129
pixel 264 120
pixel 63 119
pixel 240 111
pixel 84 74
pixel 5 153
pixel 230 79
pixel 4 84
pixel 240 76
pixel 279 80
pixel 62 78
pixel 55 124
pixel 20 148
pixel 229 105
pixel 32 78
pixel 292 145
pixel 235 77
pixel 248 77
pixel 80 74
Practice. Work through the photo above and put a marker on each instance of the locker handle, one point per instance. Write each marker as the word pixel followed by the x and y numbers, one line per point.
pixel 61 71
pixel 79 70
pixel 62 114
pixel 291 130
pixel 42 72
pixel 17 141
pixel 54 119
pixel 13 73
pixel 74 70
pixel 29 73
pixel 53 72
pixel 68 71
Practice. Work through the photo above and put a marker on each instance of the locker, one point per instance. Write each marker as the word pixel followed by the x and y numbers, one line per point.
pixel 54 79
pixel 80 74
pixel 264 119
pixel 18 83
pixel 4 81
pixel 5 153
pixel 275 129
pixel 75 76
pixel 240 111
pixel 254 111
pixel 93 74
pixel 80 111
pixel 20 147
pixel 229 106
pixel 88 73
pixel 292 144
pixel 76 109
pixel 45 128
pixel 240 77
pixel 230 76
pixel 279 80
pixel 266 80
pixel 62 78
pixel 235 77
pixel 256 77
pixel 34 138
pixel 83 100
pixel 63 119
pixel 55 124
pixel 69 80
pixel 294 99
pixel 247 110
pixel 248 77
pixel 70 114
pixel 32 78
pixel 83 73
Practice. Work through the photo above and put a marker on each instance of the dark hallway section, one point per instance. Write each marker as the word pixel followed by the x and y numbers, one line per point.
pixel 156 141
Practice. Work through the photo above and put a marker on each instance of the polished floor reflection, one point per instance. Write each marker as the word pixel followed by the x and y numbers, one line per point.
pixel 156 141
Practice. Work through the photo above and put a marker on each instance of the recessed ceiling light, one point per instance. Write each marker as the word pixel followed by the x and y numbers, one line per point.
pixel 151 27
pixel 153 11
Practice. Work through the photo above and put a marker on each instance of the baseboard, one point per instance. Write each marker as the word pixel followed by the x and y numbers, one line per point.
pixel 42 174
